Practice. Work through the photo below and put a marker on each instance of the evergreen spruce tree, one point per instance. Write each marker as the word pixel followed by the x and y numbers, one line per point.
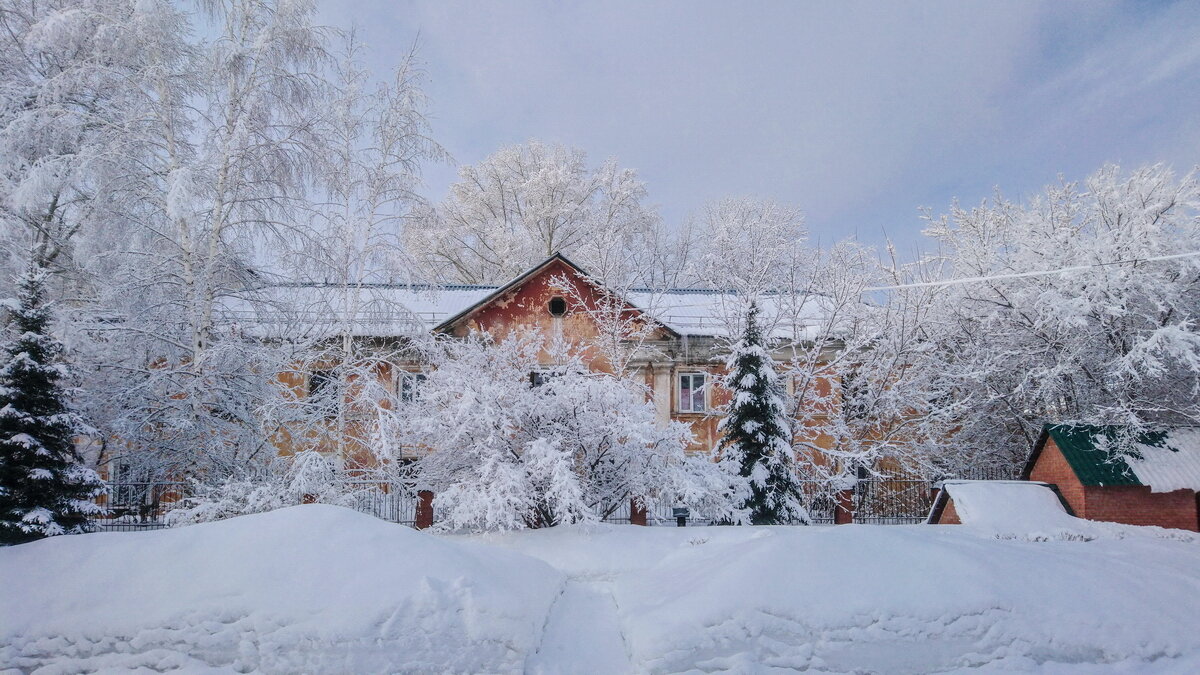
pixel 44 488
pixel 757 437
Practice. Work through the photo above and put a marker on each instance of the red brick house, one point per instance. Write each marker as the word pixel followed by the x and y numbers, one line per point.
pixel 1104 473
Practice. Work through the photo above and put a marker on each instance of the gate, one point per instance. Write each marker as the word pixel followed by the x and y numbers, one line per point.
pixel 130 507
pixel 892 501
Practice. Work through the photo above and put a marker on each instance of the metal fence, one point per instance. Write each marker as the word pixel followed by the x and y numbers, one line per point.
pixel 892 501
pixel 144 506
pixel 817 498
pixel 130 507
pixel 388 501
pixel 877 501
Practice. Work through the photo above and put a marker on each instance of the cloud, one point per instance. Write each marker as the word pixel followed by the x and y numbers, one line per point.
pixel 858 113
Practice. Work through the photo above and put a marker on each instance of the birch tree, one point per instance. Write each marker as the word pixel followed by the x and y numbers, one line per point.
pixel 71 76
pixel 234 115
pixel 377 137
pixel 522 204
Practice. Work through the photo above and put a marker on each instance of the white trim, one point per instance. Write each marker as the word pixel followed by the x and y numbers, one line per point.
pixel 679 390
pixel 416 376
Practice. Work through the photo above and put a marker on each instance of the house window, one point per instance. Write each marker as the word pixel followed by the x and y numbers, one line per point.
pixel 410 384
pixel 127 489
pixel 558 307
pixel 539 377
pixel 321 391
pixel 691 392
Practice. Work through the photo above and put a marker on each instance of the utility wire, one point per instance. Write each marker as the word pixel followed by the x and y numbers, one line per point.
pixel 1019 275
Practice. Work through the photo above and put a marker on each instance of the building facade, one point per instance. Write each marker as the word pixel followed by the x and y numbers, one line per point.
pixel 671 340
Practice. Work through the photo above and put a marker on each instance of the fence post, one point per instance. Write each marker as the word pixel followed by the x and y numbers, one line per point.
pixel 843 511
pixel 424 516
pixel 637 512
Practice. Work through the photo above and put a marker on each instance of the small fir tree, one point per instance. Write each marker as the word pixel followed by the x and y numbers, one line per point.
pixel 44 488
pixel 757 438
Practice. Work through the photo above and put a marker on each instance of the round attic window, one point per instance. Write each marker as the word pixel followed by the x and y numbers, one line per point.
pixel 558 307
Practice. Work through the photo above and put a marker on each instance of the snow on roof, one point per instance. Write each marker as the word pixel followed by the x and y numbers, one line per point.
pixel 395 309
pixel 1163 461
pixel 378 309
pixel 1174 464
pixel 702 312
pixel 1008 505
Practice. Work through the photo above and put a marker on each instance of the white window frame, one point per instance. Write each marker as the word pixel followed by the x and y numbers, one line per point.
pixel 414 376
pixel 679 401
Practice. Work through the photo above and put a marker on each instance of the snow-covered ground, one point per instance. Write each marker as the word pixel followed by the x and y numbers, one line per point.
pixel 322 589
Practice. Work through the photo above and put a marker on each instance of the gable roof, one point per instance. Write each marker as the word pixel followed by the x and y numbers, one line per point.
pixel 1109 455
pixel 695 312
pixel 404 309
pixel 517 281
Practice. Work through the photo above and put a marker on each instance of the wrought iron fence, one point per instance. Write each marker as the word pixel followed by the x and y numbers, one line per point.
pixel 986 473
pixel 138 506
pixel 817 498
pixel 892 501
pixel 392 502
pixel 130 507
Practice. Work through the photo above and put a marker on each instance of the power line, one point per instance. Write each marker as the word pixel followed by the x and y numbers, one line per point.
pixel 1019 275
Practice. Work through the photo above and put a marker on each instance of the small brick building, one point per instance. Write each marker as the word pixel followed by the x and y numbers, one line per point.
pixel 999 503
pixel 1106 473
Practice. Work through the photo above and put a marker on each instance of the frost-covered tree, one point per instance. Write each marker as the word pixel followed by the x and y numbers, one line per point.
pixel 1071 307
pixel 234 113
pixel 756 432
pixel 747 246
pixel 524 203
pixel 865 392
pixel 70 92
pixel 44 488
pixel 377 138
pixel 307 476
pixel 512 444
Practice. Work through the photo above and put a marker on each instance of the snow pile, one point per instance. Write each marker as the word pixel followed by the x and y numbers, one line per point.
pixel 305 589
pixel 318 589
pixel 911 599
pixel 894 599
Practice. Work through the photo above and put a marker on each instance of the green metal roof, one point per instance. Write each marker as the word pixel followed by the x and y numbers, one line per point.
pixel 1088 449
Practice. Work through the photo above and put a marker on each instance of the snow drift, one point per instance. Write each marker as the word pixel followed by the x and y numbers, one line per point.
pixel 304 589
pixel 911 599
pixel 319 589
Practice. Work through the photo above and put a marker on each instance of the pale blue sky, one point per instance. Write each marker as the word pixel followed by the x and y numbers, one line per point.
pixel 858 113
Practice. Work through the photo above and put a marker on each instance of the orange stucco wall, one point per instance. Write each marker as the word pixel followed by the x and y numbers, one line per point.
pixel 526 308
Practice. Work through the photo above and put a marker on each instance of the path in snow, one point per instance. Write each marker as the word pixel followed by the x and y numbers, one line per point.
pixel 582 634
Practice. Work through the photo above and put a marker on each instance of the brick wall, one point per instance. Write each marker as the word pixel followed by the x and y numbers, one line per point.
pixel 1052 467
pixel 1129 504
pixel 949 514
pixel 1136 505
